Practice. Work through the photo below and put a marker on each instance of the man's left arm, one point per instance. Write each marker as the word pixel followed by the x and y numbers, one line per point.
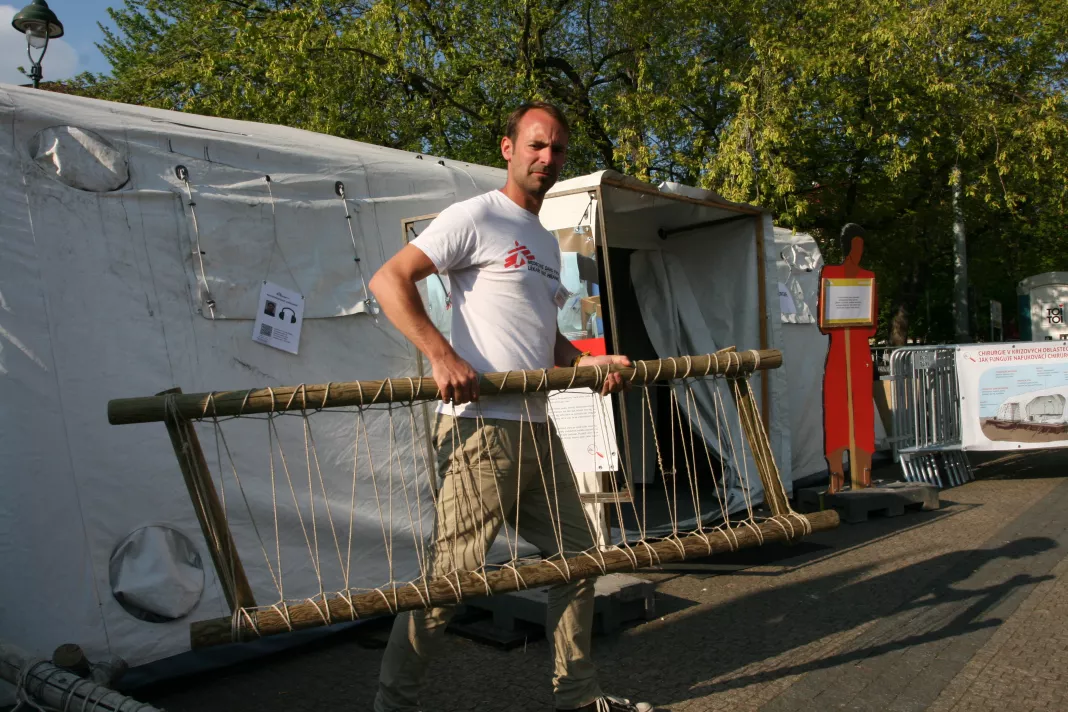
pixel 564 354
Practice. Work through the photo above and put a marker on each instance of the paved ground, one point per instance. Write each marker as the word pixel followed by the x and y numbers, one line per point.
pixel 961 609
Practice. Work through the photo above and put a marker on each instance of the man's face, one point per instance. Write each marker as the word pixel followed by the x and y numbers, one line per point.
pixel 537 155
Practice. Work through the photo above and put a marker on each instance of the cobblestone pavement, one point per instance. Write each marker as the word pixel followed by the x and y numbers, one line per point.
pixel 961 609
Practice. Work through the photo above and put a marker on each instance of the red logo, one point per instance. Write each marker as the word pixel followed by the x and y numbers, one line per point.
pixel 518 256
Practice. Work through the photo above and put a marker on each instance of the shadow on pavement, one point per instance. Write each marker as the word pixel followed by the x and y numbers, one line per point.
pixel 815 617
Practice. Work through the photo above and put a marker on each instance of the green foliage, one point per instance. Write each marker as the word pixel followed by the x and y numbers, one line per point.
pixel 823 111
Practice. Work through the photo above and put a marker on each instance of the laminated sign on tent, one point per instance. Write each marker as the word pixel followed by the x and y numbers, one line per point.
pixel 146 250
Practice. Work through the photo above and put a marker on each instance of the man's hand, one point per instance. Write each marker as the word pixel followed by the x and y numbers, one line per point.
pixel 613 383
pixel 456 380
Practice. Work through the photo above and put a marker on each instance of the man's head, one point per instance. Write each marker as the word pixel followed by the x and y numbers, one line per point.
pixel 535 147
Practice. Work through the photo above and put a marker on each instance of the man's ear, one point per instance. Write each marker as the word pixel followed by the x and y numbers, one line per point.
pixel 506 148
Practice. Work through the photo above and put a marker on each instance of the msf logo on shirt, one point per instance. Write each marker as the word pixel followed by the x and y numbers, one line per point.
pixel 518 256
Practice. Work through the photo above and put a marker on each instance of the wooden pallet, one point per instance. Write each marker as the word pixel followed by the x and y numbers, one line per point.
pixel 885 499
pixel 517 617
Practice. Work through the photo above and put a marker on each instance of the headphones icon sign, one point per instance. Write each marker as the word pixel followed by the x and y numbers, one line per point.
pixel 292 315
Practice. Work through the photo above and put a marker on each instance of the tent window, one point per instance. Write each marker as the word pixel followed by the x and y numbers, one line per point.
pixel 156 574
pixel 79 158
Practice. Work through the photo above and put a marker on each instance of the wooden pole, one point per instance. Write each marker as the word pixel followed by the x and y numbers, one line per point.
pixel 601 240
pixel 208 508
pixel 856 478
pixel 270 621
pixel 762 300
pixel 753 428
pixel 403 390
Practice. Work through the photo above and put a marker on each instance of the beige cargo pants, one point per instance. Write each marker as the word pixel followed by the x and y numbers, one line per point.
pixel 501 471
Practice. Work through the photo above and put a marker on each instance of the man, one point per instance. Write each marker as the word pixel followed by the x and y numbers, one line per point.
pixel 498 458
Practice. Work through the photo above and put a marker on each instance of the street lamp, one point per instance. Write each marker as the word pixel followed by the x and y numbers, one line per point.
pixel 39 24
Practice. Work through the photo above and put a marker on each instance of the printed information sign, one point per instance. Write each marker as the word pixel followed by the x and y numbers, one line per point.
pixel 279 317
pixel 584 421
pixel 847 302
pixel 1013 396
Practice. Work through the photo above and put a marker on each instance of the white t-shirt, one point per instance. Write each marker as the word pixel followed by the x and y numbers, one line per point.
pixel 504 273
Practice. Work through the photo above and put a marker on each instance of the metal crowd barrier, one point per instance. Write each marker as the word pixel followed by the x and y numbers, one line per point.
pixel 926 408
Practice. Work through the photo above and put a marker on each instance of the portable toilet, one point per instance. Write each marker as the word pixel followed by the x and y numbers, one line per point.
pixel 1042 299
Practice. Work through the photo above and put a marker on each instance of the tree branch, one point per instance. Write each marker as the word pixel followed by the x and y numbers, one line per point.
pixel 583 104
pixel 423 84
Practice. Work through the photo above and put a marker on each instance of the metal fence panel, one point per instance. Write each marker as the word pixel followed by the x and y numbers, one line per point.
pixel 926 410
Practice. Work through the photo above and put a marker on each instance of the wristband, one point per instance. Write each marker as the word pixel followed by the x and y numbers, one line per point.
pixel 574 361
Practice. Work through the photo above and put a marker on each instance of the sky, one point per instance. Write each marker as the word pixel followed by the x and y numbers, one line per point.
pixel 72 54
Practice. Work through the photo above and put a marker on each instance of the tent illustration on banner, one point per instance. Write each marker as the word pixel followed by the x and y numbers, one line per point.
pixel 1035 416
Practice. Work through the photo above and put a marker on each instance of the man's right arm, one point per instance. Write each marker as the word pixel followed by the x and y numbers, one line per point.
pixel 394 287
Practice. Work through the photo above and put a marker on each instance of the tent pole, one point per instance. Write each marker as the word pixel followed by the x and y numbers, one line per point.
pixel 44 683
pixel 406 225
pixel 765 395
pixel 602 230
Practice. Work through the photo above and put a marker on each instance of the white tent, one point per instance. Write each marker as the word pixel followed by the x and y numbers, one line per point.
pixel 1048 406
pixel 107 288
pixel 686 272
pixel 804 348
pixel 133 246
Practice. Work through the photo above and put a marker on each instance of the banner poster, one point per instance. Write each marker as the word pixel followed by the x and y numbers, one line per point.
pixel 1013 396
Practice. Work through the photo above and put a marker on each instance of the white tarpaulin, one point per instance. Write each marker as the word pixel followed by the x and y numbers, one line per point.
pixel 107 289
pixel 676 326
pixel 804 349
pixel 1013 396
pixel 722 302
pixel 134 244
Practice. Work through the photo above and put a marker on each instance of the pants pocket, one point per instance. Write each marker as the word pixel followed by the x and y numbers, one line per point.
pixel 472 445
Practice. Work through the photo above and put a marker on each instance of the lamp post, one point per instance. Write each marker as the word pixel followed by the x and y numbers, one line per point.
pixel 39 24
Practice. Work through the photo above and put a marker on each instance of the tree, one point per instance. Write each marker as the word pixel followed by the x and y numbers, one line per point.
pixel 823 111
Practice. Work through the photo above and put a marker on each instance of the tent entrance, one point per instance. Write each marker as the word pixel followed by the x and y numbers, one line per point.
pixel 667 462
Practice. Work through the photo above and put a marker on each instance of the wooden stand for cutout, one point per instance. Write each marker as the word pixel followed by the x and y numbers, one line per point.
pixel 177 410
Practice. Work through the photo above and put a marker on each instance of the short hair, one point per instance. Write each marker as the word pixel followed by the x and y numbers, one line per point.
pixel 511 129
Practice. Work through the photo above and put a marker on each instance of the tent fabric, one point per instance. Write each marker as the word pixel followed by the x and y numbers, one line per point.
pixel 676 325
pixel 102 296
pixel 134 242
pixel 157 572
pixel 804 348
pixel 727 292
